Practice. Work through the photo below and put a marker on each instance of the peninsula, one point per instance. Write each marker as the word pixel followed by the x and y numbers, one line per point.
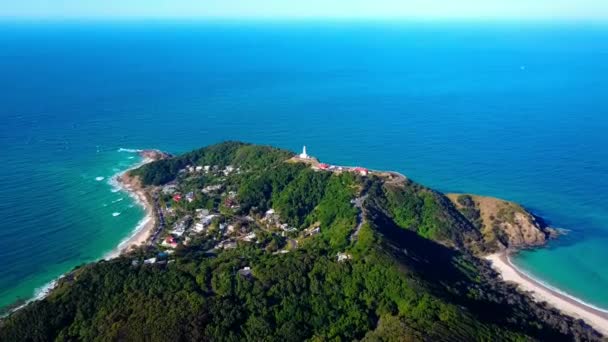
pixel 248 242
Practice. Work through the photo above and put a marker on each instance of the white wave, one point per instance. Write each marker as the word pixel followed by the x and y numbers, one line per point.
pixel 45 289
pixel 129 150
pixel 116 251
pixel 553 288
pixel 40 293
pixel 118 200
pixel 99 179
pixel 131 157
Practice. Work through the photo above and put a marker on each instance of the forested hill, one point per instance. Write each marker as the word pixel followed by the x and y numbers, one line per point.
pixel 261 246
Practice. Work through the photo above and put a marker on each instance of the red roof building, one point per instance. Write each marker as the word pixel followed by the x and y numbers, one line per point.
pixel 170 242
pixel 177 198
pixel 323 166
pixel 361 170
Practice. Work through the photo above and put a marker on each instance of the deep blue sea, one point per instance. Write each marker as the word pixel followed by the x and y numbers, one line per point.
pixel 518 111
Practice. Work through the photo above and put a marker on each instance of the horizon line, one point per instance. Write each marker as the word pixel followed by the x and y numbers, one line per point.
pixel 295 19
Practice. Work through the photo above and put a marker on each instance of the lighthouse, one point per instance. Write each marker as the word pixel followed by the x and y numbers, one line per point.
pixel 304 155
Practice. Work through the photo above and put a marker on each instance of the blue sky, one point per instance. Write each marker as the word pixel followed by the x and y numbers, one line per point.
pixel 269 9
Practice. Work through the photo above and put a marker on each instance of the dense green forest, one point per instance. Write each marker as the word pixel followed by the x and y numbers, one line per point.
pixel 411 271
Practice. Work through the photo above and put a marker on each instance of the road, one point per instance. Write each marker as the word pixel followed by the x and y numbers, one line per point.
pixel 360 216
pixel 161 220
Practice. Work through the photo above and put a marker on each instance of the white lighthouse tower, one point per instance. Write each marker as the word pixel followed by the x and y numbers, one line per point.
pixel 304 155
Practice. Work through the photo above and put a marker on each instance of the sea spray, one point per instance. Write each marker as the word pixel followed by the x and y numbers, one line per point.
pixel 129 150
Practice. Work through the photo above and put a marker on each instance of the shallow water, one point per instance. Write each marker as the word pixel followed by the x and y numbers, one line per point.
pixel 514 111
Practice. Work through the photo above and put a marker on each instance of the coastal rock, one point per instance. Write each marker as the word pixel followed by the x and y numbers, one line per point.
pixel 503 224
pixel 154 154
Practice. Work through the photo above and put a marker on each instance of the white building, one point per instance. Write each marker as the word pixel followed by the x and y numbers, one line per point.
pixel 304 155
pixel 343 257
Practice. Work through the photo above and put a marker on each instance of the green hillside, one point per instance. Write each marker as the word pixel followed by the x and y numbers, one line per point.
pixel 339 257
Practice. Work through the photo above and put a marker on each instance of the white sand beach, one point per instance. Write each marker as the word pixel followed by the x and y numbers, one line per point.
pixel 566 304
pixel 141 234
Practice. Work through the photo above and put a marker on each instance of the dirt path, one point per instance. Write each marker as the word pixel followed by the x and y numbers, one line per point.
pixel 360 216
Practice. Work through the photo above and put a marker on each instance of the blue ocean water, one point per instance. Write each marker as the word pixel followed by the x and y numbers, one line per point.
pixel 508 110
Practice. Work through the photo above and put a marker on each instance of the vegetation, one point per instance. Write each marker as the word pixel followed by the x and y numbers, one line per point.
pixel 426 212
pixel 221 155
pixel 470 210
pixel 409 273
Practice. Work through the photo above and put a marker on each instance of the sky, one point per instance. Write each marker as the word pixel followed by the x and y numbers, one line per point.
pixel 286 9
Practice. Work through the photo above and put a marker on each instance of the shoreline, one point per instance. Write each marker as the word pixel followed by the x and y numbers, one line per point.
pixel 138 236
pixel 144 228
pixel 565 303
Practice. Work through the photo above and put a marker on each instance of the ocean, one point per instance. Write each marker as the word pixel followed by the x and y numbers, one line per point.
pixel 512 110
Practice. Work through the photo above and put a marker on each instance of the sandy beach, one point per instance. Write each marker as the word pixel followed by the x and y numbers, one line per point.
pixel 141 234
pixel 566 304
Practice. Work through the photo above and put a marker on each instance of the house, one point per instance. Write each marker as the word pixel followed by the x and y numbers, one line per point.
pixel 362 171
pixel 343 257
pixel 150 261
pixel 245 271
pixel 199 168
pixel 323 166
pixel 180 227
pixel 211 188
pixel 229 202
pixel 198 227
pixel 177 197
pixel 206 168
pixel 249 237
pixel 271 217
pixel 200 213
pixel 169 241
pixel 285 227
pixel 190 197
pixel 227 244
pixel 313 231
pixel 207 219
pixel 169 189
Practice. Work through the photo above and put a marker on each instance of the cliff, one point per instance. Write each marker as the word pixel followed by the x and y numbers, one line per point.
pixel 503 224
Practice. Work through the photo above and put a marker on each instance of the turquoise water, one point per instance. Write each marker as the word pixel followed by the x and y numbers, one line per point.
pixel 514 111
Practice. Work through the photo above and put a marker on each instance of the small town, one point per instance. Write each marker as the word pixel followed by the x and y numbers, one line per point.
pixel 183 217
